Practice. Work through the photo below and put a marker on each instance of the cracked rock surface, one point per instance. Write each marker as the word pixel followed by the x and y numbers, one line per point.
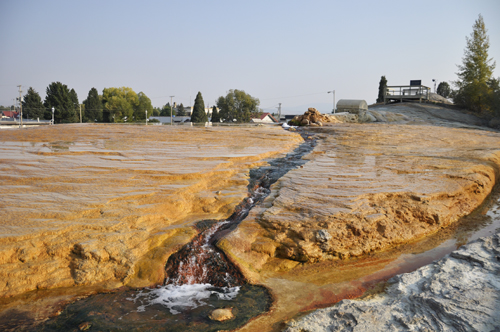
pixel 460 292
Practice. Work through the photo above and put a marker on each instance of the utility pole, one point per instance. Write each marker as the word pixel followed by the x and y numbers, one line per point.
pixel 20 106
pixel 171 107
pixel 146 117
pixel 80 113
pixel 279 112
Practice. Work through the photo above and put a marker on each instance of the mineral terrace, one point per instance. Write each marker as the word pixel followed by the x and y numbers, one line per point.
pixel 82 205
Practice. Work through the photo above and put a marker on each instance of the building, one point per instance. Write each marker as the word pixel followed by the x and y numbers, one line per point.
pixel 10 114
pixel 354 106
pixel 265 118
pixel 188 110
pixel 413 92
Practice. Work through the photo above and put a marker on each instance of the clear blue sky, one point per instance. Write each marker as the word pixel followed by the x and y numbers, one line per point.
pixel 291 52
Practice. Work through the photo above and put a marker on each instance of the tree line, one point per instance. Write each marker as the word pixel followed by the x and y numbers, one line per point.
pixel 114 105
pixel 475 89
pixel 125 105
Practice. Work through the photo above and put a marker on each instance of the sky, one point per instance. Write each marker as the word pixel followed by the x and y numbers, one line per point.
pixel 288 52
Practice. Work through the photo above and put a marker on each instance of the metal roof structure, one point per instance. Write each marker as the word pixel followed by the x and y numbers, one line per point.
pixel 351 105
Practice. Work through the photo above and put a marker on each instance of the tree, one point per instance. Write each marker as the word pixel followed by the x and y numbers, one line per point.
pixel 444 89
pixel 32 105
pixel 59 97
pixel 474 92
pixel 76 103
pixel 494 101
pixel 143 105
pixel 93 107
pixel 199 114
pixel 165 111
pixel 382 87
pixel 119 104
pixel 180 110
pixel 237 105
pixel 215 115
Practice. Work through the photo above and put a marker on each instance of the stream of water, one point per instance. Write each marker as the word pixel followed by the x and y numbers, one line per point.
pixel 199 278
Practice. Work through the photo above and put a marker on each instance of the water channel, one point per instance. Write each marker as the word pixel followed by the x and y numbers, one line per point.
pixel 199 278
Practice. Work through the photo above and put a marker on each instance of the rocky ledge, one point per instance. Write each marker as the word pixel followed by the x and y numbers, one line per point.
pixel 457 293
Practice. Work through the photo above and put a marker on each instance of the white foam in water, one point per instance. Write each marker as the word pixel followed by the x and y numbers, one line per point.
pixel 176 298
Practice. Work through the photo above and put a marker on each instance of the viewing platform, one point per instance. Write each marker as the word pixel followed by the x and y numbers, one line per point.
pixel 406 93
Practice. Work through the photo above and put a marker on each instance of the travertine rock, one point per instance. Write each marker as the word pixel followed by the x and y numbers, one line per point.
pixel 389 185
pixel 221 314
pixel 313 117
pixel 495 123
pixel 456 293
pixel 83 204
pixel 367 186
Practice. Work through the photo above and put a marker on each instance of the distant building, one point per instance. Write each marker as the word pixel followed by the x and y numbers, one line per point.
pixel 354 106
pixel 10 114
pixel 265 118
pixel 286 118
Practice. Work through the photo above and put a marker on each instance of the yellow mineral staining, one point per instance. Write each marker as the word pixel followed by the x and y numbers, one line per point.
pixel 82 204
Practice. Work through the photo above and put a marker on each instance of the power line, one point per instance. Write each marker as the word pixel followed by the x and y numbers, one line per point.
pixel 310 94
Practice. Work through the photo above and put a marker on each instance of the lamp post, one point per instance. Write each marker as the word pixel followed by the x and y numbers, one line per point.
pixel 53 115
pixel 171 107
pixel 333 91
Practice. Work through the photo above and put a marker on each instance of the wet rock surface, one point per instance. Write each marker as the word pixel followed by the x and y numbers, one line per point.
pixel 367 188
pixel 221 314
pixel 457 293
pixel 373 200
pixel 123 310
pixel 84 204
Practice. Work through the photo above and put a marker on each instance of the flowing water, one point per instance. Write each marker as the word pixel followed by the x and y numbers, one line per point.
pixel 200 278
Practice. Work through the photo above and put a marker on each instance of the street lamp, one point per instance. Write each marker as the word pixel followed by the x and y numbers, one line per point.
pixel 333 91
pixel 434 85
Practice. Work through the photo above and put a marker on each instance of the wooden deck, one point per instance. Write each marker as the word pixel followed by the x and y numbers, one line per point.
pixel 406 93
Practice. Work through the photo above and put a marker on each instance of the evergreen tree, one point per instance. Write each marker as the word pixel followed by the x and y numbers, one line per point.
pixel 474 92
pixel 199 114
pixel 215 115
pixel 444 89
pixel 59 97
pixel 74 99
pixel 32 105
pixel 180 110
pixel 494 101
pixel 93 107
pixel 382 86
